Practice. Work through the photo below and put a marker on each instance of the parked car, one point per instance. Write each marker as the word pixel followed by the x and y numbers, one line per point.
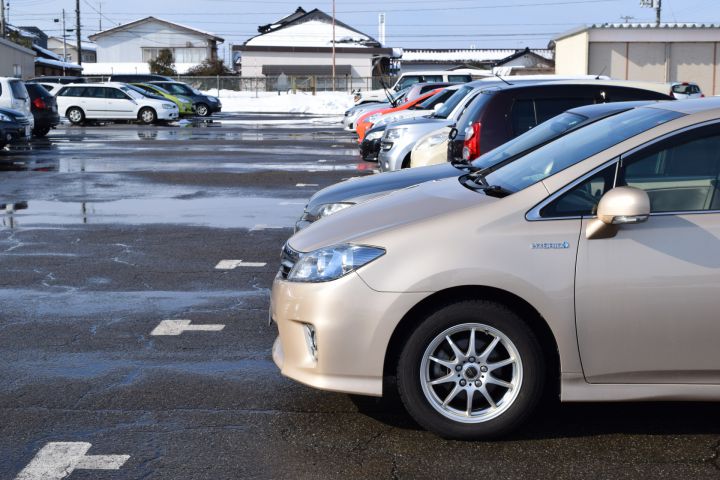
pixel 582 265
pixel 366 122
pixel 139 78
pixel 205 105
pixel 112 101
pixel 44 109
pixel 352 114
pixel 686 90
pixel 184 104
pixel 431 149
pixel 64 80
pixel 345 194
pixel 14 126
pixel 14 95
pixel 408 79
pixel 510 110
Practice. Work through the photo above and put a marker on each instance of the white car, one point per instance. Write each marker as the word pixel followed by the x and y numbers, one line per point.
pixel 686 90
pixel 14 95
pixel 52 88
pixel 111 101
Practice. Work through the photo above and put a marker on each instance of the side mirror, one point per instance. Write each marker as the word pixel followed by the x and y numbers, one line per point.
pixel 619 206
pixel 438 106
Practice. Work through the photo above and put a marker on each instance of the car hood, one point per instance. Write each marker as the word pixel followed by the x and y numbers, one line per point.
pixel 369 221
pixel 361 189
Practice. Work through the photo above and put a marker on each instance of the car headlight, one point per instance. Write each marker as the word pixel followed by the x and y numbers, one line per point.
pixel 395 133
pixel 331 263
pixel 432 141
pixel 330 208
pixel 373 118
pixel 169 106
pixel 374 135
pixel 5 118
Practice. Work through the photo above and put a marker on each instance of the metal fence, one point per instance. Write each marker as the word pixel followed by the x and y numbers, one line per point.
pixel 309 83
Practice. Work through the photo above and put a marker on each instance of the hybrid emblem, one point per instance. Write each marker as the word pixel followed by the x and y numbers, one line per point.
pixel 550 245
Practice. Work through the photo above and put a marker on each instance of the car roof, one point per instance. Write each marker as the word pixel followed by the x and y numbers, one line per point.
pixel 695 105
pixel 605 109
pixel 98 84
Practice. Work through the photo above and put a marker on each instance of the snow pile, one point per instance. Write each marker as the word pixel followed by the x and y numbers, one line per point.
pixel 323 103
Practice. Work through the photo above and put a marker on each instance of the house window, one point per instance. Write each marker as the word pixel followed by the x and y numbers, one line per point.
pixel 180 54
pixel 17 71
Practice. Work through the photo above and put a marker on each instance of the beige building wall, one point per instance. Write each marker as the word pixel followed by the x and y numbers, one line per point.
pixel 571 55
pixel 16 61
pixel 693 62
pixel 608 59
pixel 647 62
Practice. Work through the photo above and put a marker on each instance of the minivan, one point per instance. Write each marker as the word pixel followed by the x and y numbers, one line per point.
pixel 408 79
pixel 586 270
pixel 112 101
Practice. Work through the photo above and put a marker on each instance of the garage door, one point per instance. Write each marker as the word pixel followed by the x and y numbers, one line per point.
pixel 608 59
pixel 646 62
pixel 692 62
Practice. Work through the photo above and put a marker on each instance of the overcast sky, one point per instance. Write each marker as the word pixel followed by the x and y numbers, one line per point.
pixel 410 23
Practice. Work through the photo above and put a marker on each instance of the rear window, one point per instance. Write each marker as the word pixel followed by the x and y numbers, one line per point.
pixel 453 102
pixel 459 78
pixel 475 109
pixel 435 99
pixel 18 89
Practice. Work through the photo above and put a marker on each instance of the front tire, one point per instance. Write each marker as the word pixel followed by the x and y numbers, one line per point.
pixel 472 370
pixel 75 115
pixel 147 116
pixel 202 110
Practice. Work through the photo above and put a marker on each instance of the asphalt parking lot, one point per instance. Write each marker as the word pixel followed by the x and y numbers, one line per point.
pixel 109 232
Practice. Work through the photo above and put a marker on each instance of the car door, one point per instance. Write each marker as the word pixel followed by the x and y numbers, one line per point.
pixel 648 300
pixel 119 105
pixel 92 101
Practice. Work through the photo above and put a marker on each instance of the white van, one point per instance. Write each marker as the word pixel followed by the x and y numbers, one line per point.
pixel 410 78
pixel 14 95
pixel 111 101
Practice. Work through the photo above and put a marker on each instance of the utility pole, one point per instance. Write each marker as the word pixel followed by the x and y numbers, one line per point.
pixel 100 18
pixel 2 18
pixel 77 31
pixel 333 45
pixel 657 5
pixel 657 12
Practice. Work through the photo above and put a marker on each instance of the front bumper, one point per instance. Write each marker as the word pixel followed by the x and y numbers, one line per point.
pixel 369 149
pixel 168 114
pixel 392 154
pixel 352 324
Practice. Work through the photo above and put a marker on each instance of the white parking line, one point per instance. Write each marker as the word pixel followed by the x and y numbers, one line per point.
pixel 262 226
pixel 233 264
pixel 307 185
pixel 57 460
pixel 176 327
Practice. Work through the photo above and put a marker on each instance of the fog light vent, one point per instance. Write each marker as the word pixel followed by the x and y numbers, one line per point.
pixel 310 339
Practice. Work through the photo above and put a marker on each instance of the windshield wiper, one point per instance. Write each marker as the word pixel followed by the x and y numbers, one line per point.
pixel 465 165
pixel 477 181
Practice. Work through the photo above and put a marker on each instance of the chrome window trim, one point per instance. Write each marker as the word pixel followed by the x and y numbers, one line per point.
pixel 533 215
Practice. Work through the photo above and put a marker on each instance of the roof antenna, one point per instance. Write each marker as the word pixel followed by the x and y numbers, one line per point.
pixel 601 72
pixel 498 76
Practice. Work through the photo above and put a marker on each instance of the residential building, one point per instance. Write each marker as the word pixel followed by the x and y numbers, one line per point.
pixel 301 44
pixel 128 48
pixel 50 63
pixel 526 60
pixel 17 61
pixel 89 50
pixel 669 52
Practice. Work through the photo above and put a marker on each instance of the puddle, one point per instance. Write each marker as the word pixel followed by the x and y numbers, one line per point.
pixel 108 165
pixel 214 212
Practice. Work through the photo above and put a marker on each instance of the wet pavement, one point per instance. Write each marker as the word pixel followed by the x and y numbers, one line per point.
pixel 108 230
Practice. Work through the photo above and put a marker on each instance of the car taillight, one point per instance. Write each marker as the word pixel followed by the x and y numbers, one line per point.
pixel 40 103
pixel 471 147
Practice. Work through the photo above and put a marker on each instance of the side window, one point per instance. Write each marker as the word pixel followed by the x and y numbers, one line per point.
pixel 679 175
pixel 433 78
pixel 95 92
pixel 115 94
pixel 547 108
pixel 633 94
pixel 523 116
pixel 582 199
pixel 459 78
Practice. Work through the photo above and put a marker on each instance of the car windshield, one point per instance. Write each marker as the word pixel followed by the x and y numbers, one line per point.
pixel 682 88
pixel 398 96
pixel 135 94
pixel 452 102
pixel 577 146
pixel 539 135
pixel 178 88
pixel 429 104
pixel 157 88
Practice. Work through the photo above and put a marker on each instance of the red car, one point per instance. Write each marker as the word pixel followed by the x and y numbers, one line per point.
pixel 367 121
